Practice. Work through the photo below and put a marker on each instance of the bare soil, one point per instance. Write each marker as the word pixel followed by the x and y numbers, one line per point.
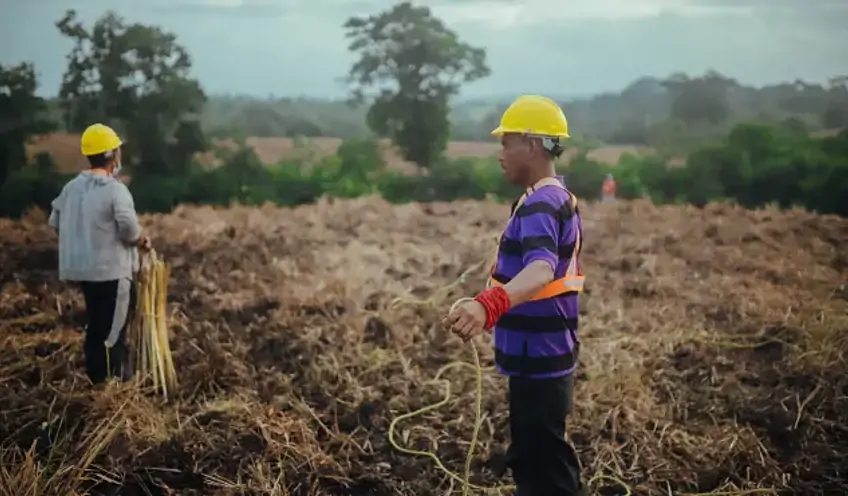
pixel 713 356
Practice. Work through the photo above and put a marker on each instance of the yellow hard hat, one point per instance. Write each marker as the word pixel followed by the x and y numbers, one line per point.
pixel 99 138
pixel 534 115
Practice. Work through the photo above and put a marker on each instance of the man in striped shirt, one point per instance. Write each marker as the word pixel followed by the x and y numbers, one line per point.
pixel 532 301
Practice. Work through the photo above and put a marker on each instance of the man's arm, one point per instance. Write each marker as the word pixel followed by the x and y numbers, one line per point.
pixel 129 228
pixel 528 282
pixel 539 226
pixel 53 220
pixel 55 209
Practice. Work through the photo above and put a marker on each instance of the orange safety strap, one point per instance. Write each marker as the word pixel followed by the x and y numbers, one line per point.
pixel 573 279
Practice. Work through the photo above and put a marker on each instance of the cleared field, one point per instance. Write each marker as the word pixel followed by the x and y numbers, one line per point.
pixel 713 355
pixel 65 149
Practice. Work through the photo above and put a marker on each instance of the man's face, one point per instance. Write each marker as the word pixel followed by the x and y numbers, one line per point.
pixel 515 158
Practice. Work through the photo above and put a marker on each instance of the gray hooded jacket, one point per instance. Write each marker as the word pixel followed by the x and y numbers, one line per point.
pixel 96 220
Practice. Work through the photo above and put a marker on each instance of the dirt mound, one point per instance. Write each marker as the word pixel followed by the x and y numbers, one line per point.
pixel 714 355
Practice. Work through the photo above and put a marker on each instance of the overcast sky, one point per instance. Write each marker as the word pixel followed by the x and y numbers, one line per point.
pixel 560 47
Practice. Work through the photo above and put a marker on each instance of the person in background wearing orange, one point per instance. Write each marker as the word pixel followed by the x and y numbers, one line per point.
pixel 608 188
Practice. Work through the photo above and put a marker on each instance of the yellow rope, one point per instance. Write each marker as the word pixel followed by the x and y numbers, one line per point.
pixel 440 295
pixel 435 300
pixel 465 480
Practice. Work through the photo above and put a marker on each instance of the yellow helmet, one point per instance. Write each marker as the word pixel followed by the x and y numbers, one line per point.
pixel 534 115
pixel 99 138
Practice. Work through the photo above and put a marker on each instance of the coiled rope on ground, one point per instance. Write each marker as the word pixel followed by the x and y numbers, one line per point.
pixel 438 298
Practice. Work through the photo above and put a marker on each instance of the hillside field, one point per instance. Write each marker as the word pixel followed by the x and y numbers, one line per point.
pixel 65 150
pixel 713 355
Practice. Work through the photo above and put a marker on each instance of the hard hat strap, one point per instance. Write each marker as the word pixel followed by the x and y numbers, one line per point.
pixel 549 143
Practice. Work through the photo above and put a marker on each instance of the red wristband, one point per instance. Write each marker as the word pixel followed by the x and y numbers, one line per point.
pixel 496 302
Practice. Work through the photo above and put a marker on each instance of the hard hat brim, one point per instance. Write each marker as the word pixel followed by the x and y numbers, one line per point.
pixel 500 131
pixel 98 151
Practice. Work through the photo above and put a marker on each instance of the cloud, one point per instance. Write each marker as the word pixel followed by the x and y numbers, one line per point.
pixel 223 8
pixel 514 13
pixel 487 14
pixel 291 47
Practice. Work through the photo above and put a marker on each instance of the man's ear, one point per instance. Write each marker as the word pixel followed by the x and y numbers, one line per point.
pixel 535 144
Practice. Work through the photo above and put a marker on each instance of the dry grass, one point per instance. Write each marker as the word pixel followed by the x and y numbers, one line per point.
pixel 713 360
pixel 65 150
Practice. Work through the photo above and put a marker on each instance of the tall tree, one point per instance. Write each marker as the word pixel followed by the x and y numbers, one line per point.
pixel 23 114
pixel 835 115
pixel 135 77
pixel 415 65
pixel 701 99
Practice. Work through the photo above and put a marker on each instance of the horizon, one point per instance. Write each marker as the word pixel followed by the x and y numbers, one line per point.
pixel 476 98
pixel 760 43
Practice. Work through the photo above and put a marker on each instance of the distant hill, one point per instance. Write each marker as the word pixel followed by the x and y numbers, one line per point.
pixel 650 112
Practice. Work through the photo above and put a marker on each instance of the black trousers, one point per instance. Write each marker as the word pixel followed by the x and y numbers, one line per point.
pixel 543 463
pixel 109 307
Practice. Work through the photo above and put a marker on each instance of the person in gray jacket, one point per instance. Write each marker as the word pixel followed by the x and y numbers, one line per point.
pixel 99 238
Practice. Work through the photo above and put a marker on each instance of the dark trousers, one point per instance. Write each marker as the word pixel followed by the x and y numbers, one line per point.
pixel 109 307
pixel 543 463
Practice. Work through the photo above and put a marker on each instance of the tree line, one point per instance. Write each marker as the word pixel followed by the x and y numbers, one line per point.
pixel 643 113
pixel 754 165
pixel 410 66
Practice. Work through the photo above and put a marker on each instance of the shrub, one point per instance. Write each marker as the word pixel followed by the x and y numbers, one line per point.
pixel 754 165
pixel 35 185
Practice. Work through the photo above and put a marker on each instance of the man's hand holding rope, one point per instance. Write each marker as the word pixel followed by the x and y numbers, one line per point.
pixel 467 320
pixel 471 317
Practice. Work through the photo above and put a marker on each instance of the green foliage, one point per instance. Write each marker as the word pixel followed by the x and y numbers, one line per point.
pixel 243 116
pixel 35 185
pixel 157 193
pixel 351 172
pixel 22 115
pixel 644 113
pixel 415 65
pixel 677 114
pixel 754 165
pixel 447 180
pixel 584 177
pixel 748 145
pixel 136 78
pixel 700 99
pixel 242 178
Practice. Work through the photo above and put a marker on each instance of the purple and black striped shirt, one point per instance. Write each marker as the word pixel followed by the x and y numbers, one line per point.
pixel 538 339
